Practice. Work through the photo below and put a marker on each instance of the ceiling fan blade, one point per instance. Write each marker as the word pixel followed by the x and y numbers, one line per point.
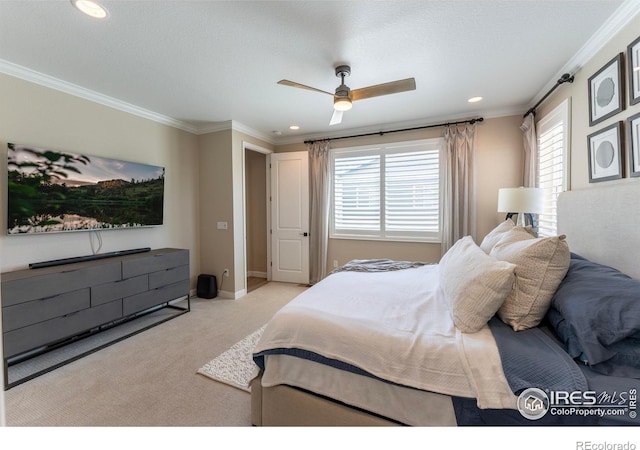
pixel 336 118
pixel 301 86
pixel 393 87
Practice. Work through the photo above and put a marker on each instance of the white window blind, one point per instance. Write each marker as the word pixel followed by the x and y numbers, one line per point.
pixel 553 137
pixel 390 192
pixel 357 193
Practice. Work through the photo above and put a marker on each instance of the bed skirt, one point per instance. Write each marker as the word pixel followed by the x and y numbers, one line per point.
pixel 283 405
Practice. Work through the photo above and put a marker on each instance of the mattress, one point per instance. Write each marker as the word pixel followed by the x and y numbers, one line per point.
pixel 392 329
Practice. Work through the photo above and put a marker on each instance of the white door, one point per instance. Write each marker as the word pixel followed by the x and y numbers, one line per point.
pixel 290 217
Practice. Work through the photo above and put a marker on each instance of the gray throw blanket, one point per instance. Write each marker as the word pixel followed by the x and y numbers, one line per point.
pixel 377 265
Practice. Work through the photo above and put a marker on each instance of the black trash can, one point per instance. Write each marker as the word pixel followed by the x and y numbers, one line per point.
pixel 207 286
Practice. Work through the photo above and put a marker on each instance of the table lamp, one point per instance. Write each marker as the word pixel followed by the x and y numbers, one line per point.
pixel 521 200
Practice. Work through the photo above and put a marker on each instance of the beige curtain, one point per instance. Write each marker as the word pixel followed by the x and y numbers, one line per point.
pixel 528 127
pixel 320 192
pixel 459 185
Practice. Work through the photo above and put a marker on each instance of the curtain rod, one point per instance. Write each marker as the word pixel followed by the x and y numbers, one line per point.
pixel 566 78
pixel 380 133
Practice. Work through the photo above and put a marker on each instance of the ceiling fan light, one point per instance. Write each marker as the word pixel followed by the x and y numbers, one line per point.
pixel 342 104
pixel 91 8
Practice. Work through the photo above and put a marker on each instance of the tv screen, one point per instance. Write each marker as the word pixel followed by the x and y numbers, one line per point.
pixel 53 191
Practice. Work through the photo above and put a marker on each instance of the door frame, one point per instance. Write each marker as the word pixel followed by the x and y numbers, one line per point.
pixel 265 151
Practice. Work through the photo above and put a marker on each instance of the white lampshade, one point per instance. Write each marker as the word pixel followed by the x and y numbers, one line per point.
pixel 521 200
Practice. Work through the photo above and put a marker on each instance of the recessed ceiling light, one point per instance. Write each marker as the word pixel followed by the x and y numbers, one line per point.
pixel 91 8
pixel 474 99
pixel 294 127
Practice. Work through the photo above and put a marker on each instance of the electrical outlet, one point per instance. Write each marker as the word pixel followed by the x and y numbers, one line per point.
pixel 335 263
pixel 225 273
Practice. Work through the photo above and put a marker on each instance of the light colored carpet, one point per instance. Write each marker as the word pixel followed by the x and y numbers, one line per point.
pixel 150 379
pixel 235 366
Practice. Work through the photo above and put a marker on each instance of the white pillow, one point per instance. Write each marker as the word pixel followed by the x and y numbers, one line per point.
pixel 495 235
pixel 474 284
pixel 502 230
pixel 541 263
pixel 515 234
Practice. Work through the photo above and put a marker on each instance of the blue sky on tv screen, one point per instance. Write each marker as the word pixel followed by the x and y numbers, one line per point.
pixel 98 169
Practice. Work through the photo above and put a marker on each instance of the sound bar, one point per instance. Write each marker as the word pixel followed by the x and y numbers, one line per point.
pixel 76 259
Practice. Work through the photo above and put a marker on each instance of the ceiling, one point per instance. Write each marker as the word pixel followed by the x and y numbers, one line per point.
pixel 199 65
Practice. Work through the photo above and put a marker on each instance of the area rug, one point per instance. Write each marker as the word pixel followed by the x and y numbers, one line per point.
pixel 235 366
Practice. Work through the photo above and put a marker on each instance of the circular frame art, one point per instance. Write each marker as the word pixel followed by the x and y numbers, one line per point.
pixel 605 154
pixel 606 91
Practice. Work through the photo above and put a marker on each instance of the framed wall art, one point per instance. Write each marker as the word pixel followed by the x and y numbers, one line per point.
pixel 606 91
pixel 605 153
pixel 633 139
pixel 633 61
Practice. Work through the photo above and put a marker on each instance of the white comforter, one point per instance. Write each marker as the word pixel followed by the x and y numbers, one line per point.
pixel 396 326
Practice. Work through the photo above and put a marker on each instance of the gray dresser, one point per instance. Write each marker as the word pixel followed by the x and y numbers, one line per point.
pixel 45 307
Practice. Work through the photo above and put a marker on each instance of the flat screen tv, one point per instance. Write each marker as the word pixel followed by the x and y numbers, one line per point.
pixel 54 191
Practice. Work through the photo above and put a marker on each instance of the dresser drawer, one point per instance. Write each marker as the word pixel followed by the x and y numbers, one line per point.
pixel 54 330
pixel 168 276
pixel 140 302
pixel 154 262
pixel 24 286
pixel 105 293
pixel 29 313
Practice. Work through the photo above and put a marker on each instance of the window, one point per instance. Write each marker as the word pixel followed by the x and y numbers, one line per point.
pixel 553 164
pixel 389 192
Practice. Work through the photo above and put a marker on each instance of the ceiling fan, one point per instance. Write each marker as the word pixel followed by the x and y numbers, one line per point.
pixel 344 96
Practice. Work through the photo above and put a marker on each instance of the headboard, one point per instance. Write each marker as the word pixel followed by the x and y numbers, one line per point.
pixel 603 224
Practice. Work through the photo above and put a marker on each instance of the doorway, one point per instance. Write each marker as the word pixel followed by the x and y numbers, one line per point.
pixel 256 218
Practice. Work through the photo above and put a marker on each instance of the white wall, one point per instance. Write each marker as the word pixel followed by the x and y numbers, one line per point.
pixel 35 115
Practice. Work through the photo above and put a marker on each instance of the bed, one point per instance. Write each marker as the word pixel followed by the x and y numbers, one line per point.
pixel 498 332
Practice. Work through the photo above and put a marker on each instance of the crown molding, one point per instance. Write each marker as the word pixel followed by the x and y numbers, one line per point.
pixel 237 126
pixel 620 18
pixel 214 127
pixel 234 125
pixel 48 81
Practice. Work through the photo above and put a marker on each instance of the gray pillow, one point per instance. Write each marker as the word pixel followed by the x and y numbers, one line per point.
pixel 596 313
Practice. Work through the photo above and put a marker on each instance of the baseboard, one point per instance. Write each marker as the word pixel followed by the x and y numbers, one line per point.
pixel 232 295
pixel 253 273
